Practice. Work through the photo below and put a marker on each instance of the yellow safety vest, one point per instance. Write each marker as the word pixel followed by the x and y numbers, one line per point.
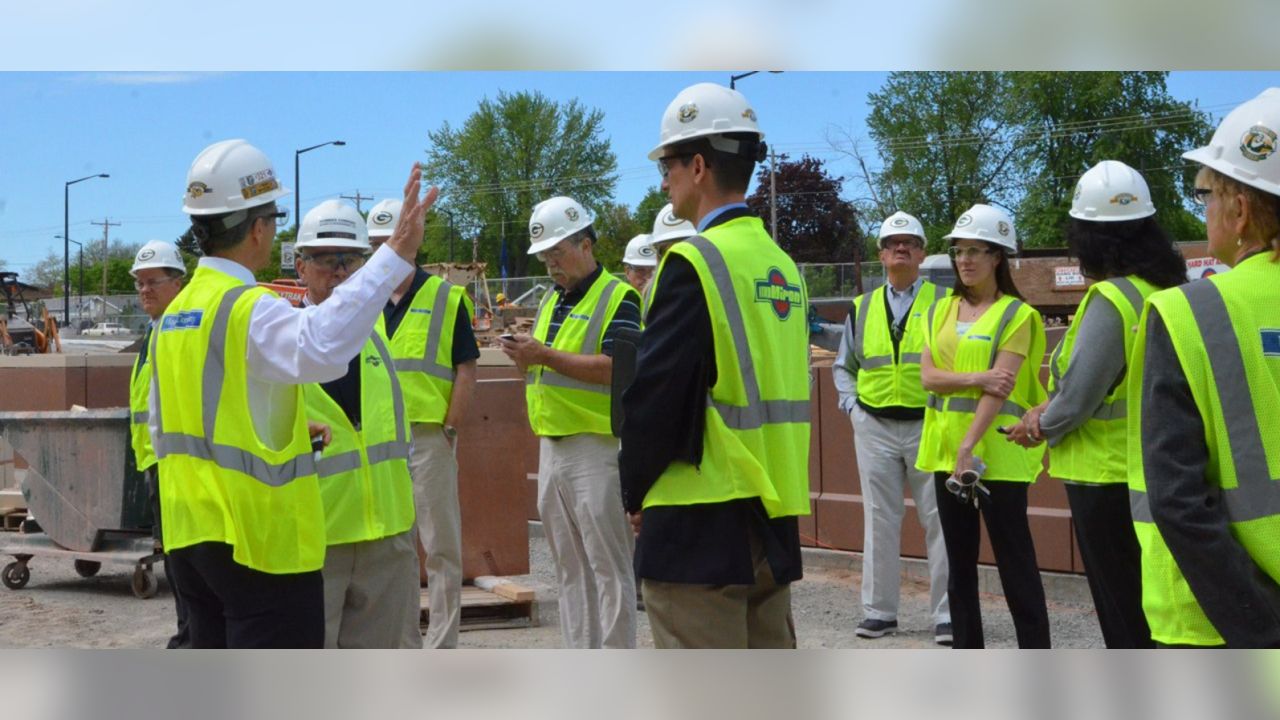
pixel 756 437
pixel 559 405
pixel 947 417
pixel 364 472
pixel 1097 452
pixel 423 349
pixel 885 378
pixel 1227 339
pixel 139 399
pixel 220 481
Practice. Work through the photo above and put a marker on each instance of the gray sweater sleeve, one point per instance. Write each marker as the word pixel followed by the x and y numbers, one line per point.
pixel 844 371
pixel 1241 601
pixel 1097 361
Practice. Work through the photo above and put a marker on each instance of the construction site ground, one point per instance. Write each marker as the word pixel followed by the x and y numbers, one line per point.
pixel 60 609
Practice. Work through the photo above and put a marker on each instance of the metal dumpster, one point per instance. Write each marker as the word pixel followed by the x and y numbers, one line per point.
pixel 83 480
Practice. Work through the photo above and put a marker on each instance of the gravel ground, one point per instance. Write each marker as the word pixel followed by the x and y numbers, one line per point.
pixel 60 609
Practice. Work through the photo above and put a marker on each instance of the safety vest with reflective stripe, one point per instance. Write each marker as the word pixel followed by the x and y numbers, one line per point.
pixel 1226 335
pixel 1096 451
pixel 423 349
pixel 139 430
pixel 220 481
pixel 559 405
pixel 947 417
pixel 364 472
pixel 886 378
pixel 756 437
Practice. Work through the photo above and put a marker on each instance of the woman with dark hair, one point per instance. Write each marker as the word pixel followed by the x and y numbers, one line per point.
pixel 1121 248
pixel 1204 403
pixel 980 364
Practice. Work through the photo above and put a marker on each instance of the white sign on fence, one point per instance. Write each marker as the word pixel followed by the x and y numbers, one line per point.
pixel 1067 277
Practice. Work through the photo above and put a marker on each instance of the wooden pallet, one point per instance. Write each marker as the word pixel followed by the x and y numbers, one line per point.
pixel 484 610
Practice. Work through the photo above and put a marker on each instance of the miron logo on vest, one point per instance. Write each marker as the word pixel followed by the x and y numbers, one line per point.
pixel 779 293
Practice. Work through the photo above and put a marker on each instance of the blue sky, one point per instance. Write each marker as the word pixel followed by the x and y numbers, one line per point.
pixel 145 128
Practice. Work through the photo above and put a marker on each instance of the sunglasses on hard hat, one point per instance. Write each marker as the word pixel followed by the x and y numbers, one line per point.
pixel 330 262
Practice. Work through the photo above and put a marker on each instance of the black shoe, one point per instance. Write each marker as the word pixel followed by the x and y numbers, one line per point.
pixel 942 634
pixel 871 628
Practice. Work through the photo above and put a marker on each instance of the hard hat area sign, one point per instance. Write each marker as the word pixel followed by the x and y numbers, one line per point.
pixel 1065 277
pixel 1203 267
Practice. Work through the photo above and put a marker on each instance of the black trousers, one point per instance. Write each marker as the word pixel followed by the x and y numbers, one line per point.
pixel 181 638
pixel 1112 561
pixel 1005 514
pixel 233 606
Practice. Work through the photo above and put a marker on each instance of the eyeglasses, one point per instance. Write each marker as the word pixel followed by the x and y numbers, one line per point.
pixel 555 253
pixel 908 243
pixel 969 253
pixel 1201 195
pixel 141 285
pixel 330 262
pixel 274 217
pixel 664 162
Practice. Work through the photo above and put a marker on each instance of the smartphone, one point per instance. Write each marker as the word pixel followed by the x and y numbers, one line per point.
pixel 317 444
pixel 507 336
pixel 1004 430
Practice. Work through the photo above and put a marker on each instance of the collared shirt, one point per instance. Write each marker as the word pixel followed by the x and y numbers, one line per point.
pixel 345 390
pixel 293 346
pixel 900 302
pixel 844 371
pixel 710 217
pixel 627 315
pixel 464 348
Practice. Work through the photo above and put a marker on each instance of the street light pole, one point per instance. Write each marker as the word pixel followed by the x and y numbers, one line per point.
pixel 297 185
pixel 80 282
pixel 773 163
pixel 66 247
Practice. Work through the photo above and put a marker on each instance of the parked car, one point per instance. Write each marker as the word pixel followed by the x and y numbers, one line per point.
pixel 107 329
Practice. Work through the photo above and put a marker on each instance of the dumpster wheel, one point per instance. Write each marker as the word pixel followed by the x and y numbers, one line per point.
pixel 15 575
pixel 87 568
pixel 144 582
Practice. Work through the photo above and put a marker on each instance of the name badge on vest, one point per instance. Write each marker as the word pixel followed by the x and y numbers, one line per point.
pixel 1271 343
pixel 188 320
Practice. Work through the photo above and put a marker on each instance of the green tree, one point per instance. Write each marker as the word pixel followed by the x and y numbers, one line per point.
pixel 615 225
pixel 648 208
pixel 119 257
pixel 814 223
pixel 510 154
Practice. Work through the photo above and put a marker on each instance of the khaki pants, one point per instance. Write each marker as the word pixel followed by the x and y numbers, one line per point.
pixel 580 503
pixel 737 617
pixel 435 499
pixel 371 593
pixel 887 452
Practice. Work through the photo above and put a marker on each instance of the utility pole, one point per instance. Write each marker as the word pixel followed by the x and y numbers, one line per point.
pixel 106 256
pixel 358 197
pixel 773 193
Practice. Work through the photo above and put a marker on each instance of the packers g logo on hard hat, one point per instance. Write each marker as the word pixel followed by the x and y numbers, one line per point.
pixel 1002 227
pixel 535 230
pixel 670 220
pixel 749 114
pixel 646 251
pixel 572 214
pixel 146 255
pixel 1123 199
pixel 1258 143
pixel 779 293
pixel 965 219
pixel 197 188
pixel 900 222
pixel 688 112
pixel 382 217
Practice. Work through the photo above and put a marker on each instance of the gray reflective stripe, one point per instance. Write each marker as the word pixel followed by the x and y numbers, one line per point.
pixel 397 397
pixel 428 367
pixel 756 412
pixel 141 417
pixel 231 458
pixel 1005 319
pixel 1258 494
pixel 551 377
pixel 932 306
pixel 382 452
pixel 1114 410
pixel 1131 292
pixel 1053 363
pixel 215 370
pixel 434 330
pixel 859 335
pixel 1139 508
pixel 872 363
pixel 211 382
pixel 933 402
pixel 595 327
pixel 909 358
pixel 338 464
pixel 970 405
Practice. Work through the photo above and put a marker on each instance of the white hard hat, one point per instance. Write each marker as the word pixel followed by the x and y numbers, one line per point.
pixel 383 218
pixel 986 223
pixel 554 220
pixel 668 227
pixel 1111 192
pixel 640 252
pixel 1245 146
pixel 706 109
pixel 228 176
pixel 158 254
pixel 901 223
pixel 333 223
